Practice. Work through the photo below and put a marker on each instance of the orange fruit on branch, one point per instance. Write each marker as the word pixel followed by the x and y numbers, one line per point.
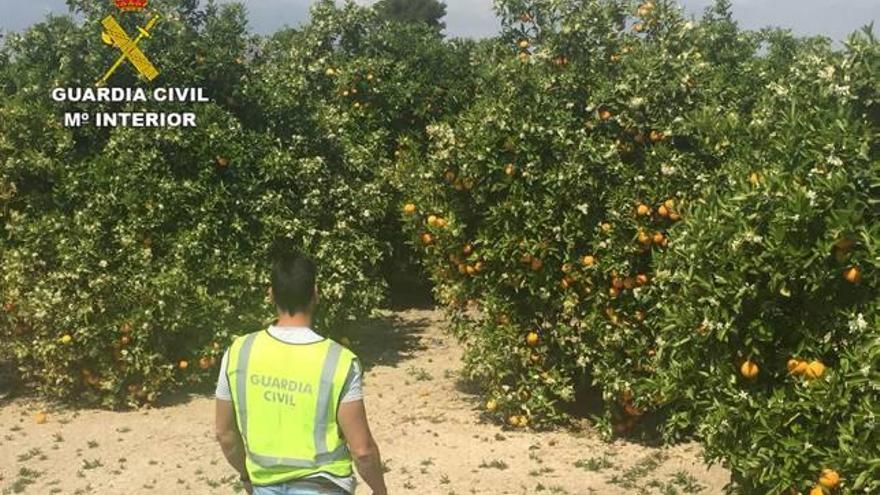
pixel 536 264
pixel 853 275
pixel 749 370
pixel 643 210
pixel 409 208
pixel 183 364
pixel 829 479
pixel 532 339
pixel 427 239
pixel 662 211
pixel 815 370
pixel 589 260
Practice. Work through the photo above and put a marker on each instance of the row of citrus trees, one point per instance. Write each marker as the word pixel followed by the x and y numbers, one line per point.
pixel 680 213
pixel 131 255
pixel 676 212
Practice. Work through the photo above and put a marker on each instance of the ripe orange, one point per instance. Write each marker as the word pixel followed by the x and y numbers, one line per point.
pixel 642 279
pixel 829 479
pixel 674 216
pixel 613 292
pixel 536 264
pixel 478 266
pixel 817 490
pixel 800 369
pixel 510 169
pixel 432 220
pixel 41 417
pixel 470 270
pixel 659 238
pixel 792 365
pixel 221 161
pixel 749 369
pixel 615 57
pixel 125 328
pixel 523 422
pixel 523 44
pixel 645 9
pixel 656 136
pixel 644 238
pixel 662 211
pixel 125 340
pixel 462 268
pixel 535 358
pixel 638 27
pixel 815 370
pixel 605 114
pixel 427 239
pixel 513 420
pixel 532 339
pixel 606 227
pixel 617 283
pixel 467 249
pixel 524 56
pixel 66 339
pixel 565 283
pixel 491 405
pixel 853 275
pixel 440 223
pixel 589 260
pixel 643 210
pixel 409 208
pixel 449 176
pixel 183 365
pixel 204 362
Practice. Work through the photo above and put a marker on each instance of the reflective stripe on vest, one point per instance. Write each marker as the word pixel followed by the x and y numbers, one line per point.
pixel 331 361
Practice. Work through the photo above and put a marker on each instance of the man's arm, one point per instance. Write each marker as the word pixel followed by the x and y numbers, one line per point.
pixel 230 439
pixel 352 419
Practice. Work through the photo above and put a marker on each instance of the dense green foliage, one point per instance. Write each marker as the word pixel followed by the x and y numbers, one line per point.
pixel 130 255
pixel 607 196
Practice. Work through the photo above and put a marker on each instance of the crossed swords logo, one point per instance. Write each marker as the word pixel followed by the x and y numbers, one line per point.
pixel 115 35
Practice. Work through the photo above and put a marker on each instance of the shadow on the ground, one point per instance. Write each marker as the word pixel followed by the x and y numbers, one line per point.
pixel 387 340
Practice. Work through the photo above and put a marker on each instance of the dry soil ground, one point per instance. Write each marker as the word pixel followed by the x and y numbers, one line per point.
pixel 430 431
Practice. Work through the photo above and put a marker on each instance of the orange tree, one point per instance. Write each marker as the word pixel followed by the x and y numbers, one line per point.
pixel 767 338
pixel 545 203
pixel 130 255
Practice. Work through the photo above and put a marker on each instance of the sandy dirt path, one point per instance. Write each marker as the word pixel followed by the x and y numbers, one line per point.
pixel 430 433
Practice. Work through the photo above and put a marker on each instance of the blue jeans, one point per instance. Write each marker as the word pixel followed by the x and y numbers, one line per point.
pixel 300 488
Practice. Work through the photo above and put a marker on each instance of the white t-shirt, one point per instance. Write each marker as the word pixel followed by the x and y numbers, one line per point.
pixel 352 390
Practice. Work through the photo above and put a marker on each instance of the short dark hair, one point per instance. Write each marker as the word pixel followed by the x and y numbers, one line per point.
pixel 293 281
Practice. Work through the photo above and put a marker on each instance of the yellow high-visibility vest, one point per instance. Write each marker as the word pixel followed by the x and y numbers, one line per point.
pixel 285 398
